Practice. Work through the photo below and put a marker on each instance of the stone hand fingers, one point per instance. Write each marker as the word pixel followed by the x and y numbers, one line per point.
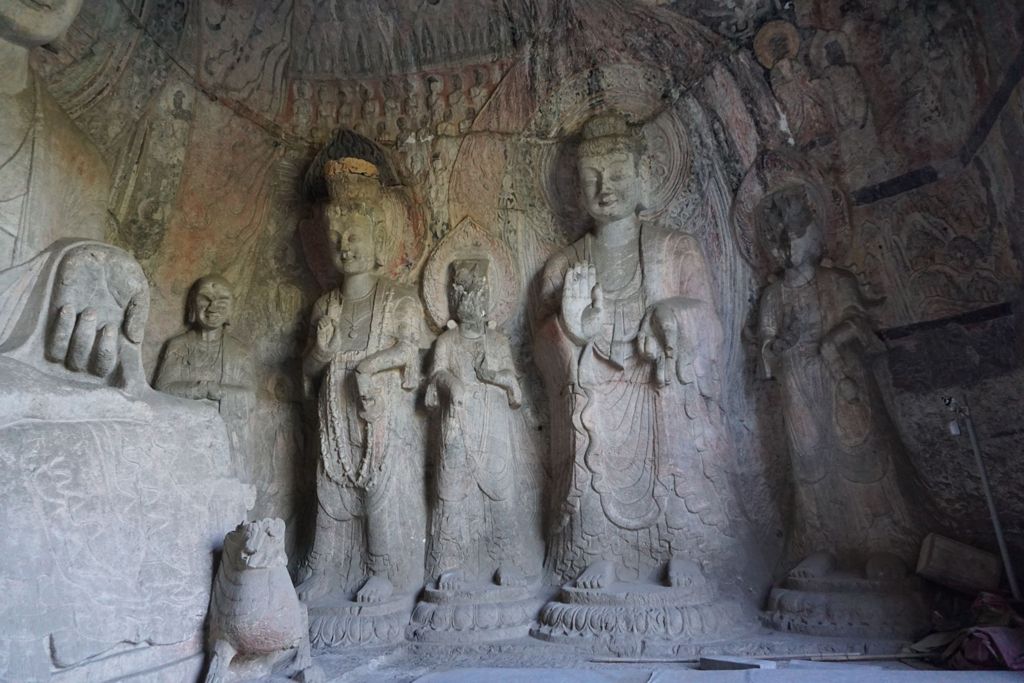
pixel 597 297
pixel 60 335
pixel 82 341
pixel 105 358
pixel 135 315
pixel 324 332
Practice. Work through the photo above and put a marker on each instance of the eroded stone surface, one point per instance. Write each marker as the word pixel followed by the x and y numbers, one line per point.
pixel 208 113
pixel 115 495
pixel 255 615
pixel 861 513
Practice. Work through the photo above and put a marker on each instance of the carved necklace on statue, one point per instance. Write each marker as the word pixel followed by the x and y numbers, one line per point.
pixel 355 320
pixel 356 317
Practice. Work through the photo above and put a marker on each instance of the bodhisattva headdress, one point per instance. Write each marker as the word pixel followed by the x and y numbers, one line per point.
pixel 353 184
pixel 610 133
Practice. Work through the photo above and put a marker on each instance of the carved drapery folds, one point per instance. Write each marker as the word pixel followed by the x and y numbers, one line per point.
pixel 360 369
pixel 859 512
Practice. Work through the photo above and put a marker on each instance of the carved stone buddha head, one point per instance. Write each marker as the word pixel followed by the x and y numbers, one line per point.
pixel 609 168
pixel 210 303
pixel 791 226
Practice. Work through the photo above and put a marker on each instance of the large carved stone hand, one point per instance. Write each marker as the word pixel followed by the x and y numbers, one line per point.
pixel 100 304
pixel 582 302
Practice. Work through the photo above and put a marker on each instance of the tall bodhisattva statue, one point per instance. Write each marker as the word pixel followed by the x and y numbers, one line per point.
pixel 856 528
pixel 362 366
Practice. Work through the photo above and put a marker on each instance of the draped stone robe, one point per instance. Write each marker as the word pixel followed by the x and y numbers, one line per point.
pixel 638 467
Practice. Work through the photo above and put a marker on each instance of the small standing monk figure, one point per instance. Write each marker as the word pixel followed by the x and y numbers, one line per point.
pixel 207 362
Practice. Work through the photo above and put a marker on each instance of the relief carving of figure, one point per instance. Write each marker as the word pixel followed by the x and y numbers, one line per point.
pixel 479 561
pixel 362 366
pixel 816 339
pixel 630 350
pixel 207 362
pixel 473 388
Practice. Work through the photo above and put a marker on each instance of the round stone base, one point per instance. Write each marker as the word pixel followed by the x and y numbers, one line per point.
pixel 476 614
pixel 629 619
pixel 846 605
pixel 337 621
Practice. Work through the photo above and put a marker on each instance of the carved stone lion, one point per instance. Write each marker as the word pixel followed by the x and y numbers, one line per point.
pixel 254 612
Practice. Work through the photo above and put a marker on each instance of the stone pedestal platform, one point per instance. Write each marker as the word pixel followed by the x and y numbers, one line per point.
pixel 475 614
pixel 843 604
pixel 335 621
pixel 632 618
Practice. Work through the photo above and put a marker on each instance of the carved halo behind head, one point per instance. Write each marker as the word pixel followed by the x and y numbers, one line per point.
pixel 467 241
pixel 772 172
pixel 775 41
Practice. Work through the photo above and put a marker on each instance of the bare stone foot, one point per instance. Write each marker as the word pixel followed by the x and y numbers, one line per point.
pixel 599 574
pixel 451 580
pixel 376 589
pixel 314 586
pixel 683 573
pixel 509 575
pixel 814 566
pixel 885 567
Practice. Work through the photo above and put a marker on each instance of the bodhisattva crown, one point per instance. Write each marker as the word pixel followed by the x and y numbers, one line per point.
pixel 352 181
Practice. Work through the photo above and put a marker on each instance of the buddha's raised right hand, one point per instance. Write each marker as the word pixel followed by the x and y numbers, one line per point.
pixel 582 302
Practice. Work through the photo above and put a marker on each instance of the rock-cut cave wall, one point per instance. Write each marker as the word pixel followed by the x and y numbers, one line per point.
pixel 209 114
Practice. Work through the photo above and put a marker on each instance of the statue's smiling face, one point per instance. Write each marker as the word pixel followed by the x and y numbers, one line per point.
pixel 36 22
pixel 213 306
pixel 351 236
pixel 610 185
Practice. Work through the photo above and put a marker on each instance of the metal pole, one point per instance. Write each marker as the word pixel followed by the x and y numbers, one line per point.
pixel 1011 578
